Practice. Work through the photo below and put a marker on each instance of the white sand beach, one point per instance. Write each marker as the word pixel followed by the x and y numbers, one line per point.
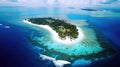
pixel 55 36
pixel 58 63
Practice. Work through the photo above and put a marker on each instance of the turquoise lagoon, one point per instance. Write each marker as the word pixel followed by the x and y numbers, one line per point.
pixel 94 47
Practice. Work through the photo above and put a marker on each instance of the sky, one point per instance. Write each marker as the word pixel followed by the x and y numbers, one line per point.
pixel 80 3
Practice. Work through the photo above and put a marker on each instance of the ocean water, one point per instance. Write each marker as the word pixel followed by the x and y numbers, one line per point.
pixel 16 50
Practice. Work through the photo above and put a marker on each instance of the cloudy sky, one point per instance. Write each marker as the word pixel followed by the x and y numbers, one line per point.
pixel 81 3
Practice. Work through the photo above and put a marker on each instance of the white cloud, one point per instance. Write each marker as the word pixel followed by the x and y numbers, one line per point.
pixel 108 1
pixel 79 3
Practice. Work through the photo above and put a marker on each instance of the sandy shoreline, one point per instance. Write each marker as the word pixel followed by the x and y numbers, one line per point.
pixel 56 37
pixel 58 63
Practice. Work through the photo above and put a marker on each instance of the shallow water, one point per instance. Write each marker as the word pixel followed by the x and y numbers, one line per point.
pixel 16 41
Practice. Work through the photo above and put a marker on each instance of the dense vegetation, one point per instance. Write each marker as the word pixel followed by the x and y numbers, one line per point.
pixel 61 27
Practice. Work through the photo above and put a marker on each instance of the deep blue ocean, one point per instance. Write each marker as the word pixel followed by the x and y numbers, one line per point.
pixel 17 51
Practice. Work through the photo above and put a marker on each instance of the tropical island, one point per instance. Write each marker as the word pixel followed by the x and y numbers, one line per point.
pixel 87 42
pixel 64 29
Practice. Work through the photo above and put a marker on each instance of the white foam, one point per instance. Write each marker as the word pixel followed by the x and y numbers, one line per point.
pixel 55 36
pixel 58 63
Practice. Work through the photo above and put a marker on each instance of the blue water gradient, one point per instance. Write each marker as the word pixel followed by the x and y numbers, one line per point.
pixel 17 51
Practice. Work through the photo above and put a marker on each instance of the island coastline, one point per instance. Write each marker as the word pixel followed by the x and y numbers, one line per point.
pixel 55 36
pixel 101 53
